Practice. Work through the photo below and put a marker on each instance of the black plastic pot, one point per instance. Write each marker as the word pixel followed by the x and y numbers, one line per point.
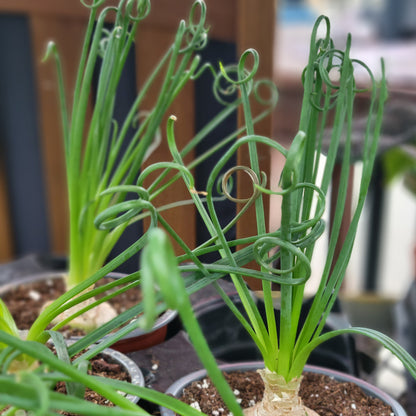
pixel 230 342
pixel 176 388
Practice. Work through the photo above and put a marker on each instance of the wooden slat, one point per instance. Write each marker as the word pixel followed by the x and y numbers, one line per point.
pixel 248 22
pixel 6 235
pixel 68 35
pixel 256 25
pixel 221 17
pixel 181 219
pixel 220 13
pixel 68 8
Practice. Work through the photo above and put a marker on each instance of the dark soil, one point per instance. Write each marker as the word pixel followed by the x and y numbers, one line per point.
pixel 345 399
pixel 25 301
pixel 102 367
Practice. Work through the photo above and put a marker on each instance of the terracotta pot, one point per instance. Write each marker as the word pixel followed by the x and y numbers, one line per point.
pixel 176 388
pixel 139 339
pixel 136 340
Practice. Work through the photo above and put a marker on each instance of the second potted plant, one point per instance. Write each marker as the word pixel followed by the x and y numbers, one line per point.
pixel 284 255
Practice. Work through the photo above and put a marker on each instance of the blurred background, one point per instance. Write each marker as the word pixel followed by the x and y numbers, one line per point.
pixel 379 288
pixel 379 28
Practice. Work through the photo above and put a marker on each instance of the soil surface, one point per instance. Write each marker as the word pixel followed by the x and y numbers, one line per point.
pixel 102 367
pixel 26 300
pixel 345 399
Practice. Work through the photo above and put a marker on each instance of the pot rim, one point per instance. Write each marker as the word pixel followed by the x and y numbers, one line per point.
pixel 176 388
pixel 6 286
pixel 165 318
pixel 136 375
pixel 162 320
pixel 130 366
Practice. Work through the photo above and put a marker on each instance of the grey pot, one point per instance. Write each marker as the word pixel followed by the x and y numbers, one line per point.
pixel 176 388
pixel 127 364
pixel 136 375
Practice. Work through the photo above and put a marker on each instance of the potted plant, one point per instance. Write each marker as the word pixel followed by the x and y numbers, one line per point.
pixel 100 153
pixel 32 387
pixel 80 297
pixel 103 161
pixel 103 158
pixel 32 390
pixel 32 363
pixel 284 255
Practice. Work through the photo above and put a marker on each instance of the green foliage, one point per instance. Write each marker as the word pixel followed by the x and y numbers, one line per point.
pixel 398 162
pixel 101 174
pixel 103 158
pixel 159 268
pixel 284 255
pixel 33 391
pixel 7 323
pixel 98 187
pixel 104 164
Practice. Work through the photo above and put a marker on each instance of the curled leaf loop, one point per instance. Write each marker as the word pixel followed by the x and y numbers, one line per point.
pixel 263 246
pixel 125 211
pixel 253 177
pixel 370 74
pixel 94 3
pixel 195 35
pixel 224 88
pixel 138 9
pixel 262 86
pixel 245 74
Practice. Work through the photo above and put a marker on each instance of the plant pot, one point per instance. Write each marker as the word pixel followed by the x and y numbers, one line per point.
pixel 136 375
pixel 127 365
pixel 227 338
pixel 135 340
pixel 371 310
pixel 177 388
pixel 139 339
